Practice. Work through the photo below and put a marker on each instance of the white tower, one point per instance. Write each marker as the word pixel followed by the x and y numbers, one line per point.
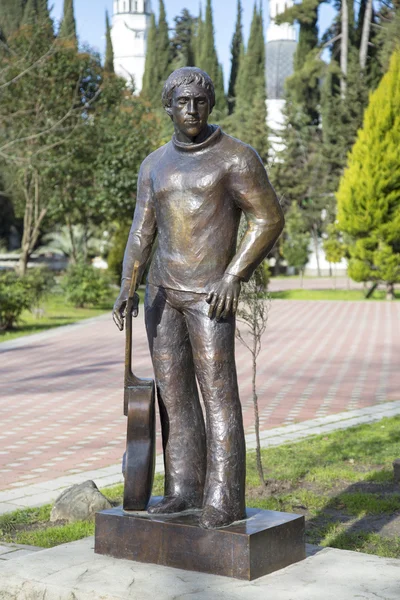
pixel 280 49
pixel 130 24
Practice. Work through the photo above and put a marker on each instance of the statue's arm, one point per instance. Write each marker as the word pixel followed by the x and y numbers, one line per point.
pixel 253 193
pixel 257 199
pixel 140 241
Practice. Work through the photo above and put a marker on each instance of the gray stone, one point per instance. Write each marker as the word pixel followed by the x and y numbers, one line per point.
pixel 396 470
pixel 79 503
pixel 74 572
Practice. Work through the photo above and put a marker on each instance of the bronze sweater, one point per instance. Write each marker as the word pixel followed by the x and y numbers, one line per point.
pixel 192 197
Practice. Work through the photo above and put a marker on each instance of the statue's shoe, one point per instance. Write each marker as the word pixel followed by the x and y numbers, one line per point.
pixel 172 504
pixel 213 518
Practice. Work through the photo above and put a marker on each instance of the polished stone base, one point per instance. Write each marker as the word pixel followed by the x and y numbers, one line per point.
pixel 264 542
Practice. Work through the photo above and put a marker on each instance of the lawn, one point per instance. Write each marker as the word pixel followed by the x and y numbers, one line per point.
pixel 341 482
pixel 350 295
pixel 54 313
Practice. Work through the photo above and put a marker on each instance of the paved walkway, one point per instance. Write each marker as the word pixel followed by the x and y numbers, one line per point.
pixel 36 494
pixel 61 391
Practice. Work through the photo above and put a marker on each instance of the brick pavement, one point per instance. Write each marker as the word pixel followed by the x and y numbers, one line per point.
pixel 61 392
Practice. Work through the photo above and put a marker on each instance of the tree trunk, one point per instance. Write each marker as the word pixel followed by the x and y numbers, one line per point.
pixel 74 254
pixel 33 218
pixel 390 291
pixel 365 35
pixel 316 248
pixel 301 278
pixel 344 47
pixel 255 403
pixel 371 290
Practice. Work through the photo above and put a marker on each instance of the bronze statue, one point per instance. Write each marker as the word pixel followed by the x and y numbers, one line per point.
pixel 191 194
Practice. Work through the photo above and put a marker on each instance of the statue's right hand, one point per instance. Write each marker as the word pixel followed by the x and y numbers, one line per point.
pixel 119 310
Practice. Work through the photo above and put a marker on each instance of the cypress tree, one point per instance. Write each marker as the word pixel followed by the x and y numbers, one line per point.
pixel 11 14
pixel 236 50
pixel 44 13
pixel 208 61
pixel 182 41
pixel 163 51
pixel 30 15
pixel 249 121
pixel 109 58
pixel 369 191
pixel 199 38
pixel 150 69
pixel 68 24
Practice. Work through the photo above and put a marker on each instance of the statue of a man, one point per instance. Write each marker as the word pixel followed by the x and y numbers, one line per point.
pixel 191 194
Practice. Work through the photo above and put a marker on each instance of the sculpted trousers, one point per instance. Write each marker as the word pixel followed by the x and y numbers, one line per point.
pixel 205 465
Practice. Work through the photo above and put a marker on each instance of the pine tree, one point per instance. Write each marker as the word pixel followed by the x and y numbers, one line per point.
pixel 150 68
pixel 208 61
pixel 369 191
pixel 11 14
pixel 236 50
pixel 109 58
pixel 30 15
pixel 68 24
pixel 296 241
pixel 308 67
pixel 248 122
pixel 182 43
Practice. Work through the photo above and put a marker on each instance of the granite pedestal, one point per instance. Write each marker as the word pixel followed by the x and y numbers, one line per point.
pixel 264 542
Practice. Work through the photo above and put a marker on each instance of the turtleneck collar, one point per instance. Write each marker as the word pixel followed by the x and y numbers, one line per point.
pixel 210 141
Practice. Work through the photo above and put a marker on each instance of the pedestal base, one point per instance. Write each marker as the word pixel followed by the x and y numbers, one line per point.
pixel 264 542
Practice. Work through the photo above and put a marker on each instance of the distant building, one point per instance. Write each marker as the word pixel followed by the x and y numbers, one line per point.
pixel 130 24
pixel 280 48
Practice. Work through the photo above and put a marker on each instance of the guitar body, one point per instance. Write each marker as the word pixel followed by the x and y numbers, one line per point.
pixel 139 406
pixel 140 445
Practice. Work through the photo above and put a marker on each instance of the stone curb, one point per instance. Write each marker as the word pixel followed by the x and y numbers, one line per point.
pixel 47 492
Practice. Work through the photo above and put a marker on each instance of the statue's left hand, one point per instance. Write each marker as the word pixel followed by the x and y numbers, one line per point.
pixel 224 297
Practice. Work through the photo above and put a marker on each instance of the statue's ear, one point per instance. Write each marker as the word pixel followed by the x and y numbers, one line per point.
pixel 168 110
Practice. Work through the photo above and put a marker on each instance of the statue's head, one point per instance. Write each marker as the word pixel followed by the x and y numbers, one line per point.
pixel 188 98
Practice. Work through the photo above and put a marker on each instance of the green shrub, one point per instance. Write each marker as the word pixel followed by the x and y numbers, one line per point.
pixel 117 250
pixel 14 298
pixel 39 284
pixel 85 286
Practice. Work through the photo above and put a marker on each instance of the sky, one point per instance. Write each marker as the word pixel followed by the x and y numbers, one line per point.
pixel 90 17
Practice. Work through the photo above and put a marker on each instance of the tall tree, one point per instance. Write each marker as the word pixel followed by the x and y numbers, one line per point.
pixel 199 38
pixel 68 23
pixel 296 241
pixel 150 67
pixel 369 192
pixel 44 13
pixel 183 41
pixel 11 13
pixel 236 51
pixel 163 50
pixel 109 58
pixel 30 15
pixel 304 87
pixel 248 122
pixel 208 61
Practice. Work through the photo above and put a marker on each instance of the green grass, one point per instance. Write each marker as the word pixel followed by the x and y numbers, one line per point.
pixel 56 312
pixel 335 535
pixel 31 526
pixel 350 295
pixel 319 477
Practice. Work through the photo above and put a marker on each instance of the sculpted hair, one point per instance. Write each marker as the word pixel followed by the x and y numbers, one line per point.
pixel 186 76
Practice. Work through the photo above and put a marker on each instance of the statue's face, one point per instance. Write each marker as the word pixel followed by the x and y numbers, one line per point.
pixel 190 109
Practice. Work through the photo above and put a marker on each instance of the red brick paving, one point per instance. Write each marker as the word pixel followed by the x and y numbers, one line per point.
pixel 61 395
